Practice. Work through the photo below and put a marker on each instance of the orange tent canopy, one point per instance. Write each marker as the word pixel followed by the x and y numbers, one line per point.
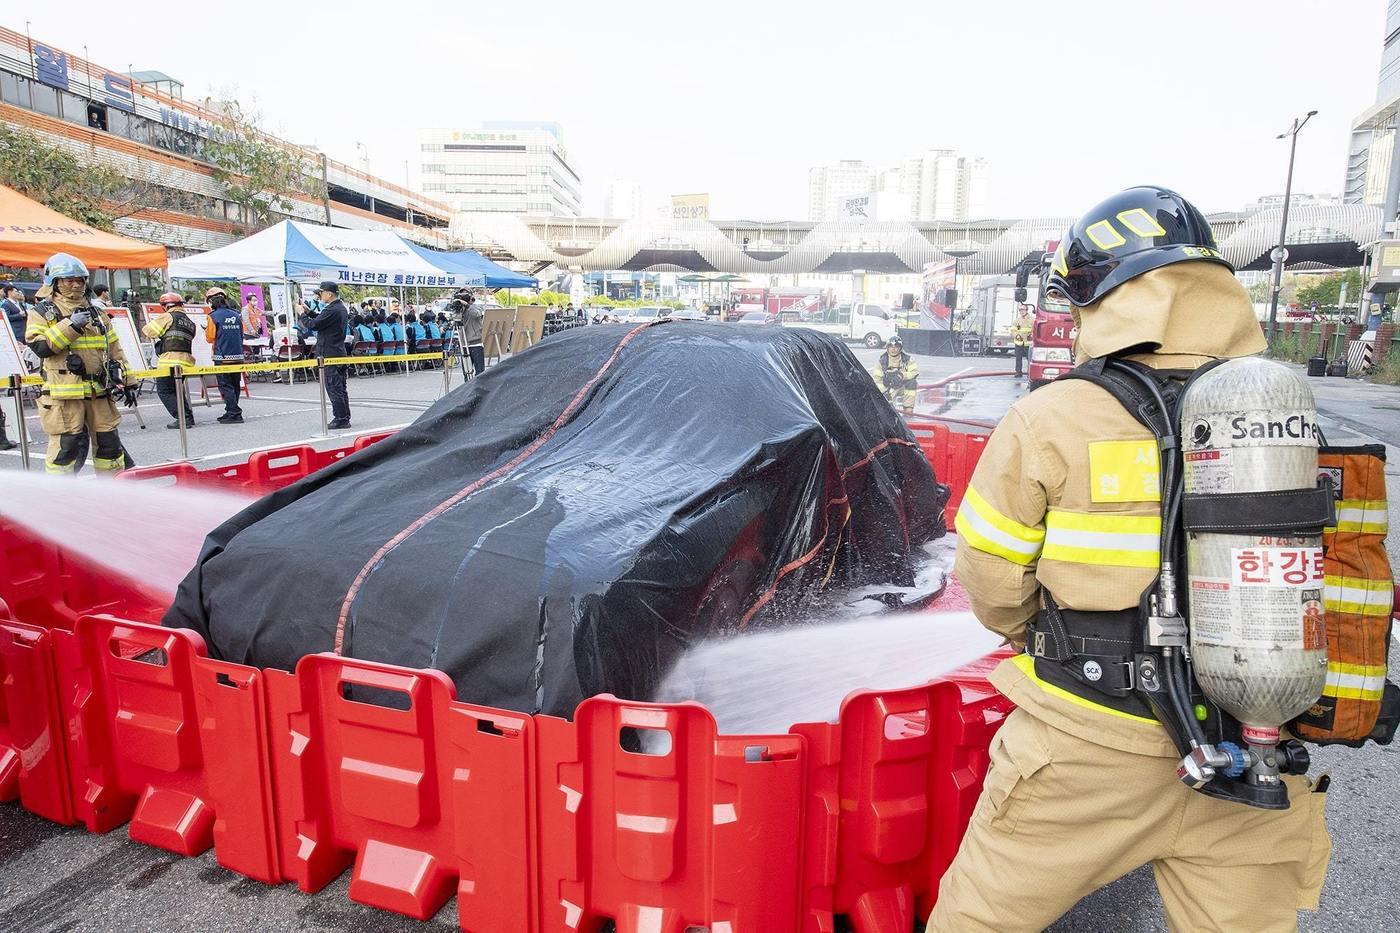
pixel 30 233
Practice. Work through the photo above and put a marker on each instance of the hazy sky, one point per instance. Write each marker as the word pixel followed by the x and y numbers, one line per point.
pixel 1067 101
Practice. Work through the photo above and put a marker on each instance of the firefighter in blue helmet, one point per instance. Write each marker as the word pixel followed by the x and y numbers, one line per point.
pixel 84 370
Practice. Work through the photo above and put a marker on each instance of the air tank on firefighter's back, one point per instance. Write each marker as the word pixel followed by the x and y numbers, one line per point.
pixel 1258 643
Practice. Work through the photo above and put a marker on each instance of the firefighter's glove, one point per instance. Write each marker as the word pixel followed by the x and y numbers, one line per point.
pixel 80 318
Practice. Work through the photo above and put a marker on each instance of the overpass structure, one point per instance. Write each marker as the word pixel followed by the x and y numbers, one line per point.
pixel 1319 238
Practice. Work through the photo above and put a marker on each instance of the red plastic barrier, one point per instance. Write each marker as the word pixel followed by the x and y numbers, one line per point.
pixel 953 454
pixel 169 739
pixel 33 758
pixel 263 472
pixel 364 440
pixel 967 711
pixel 702 833
pixel 880 811
pixel 430 799
pixel 281 466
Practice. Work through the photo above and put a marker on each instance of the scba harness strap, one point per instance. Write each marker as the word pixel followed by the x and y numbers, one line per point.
pixel 1094 654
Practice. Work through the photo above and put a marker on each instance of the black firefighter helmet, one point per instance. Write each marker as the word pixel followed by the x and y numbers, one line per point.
pixel 1135 231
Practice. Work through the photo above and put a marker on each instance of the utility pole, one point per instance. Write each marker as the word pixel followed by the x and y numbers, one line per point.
pixel 1280 252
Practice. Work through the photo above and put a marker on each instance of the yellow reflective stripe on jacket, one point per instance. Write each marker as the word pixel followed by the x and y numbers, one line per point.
pixel 1354 681
pixel 986 529
pixel 1102 538
pixel 1367 516
pixel 1357 595
pixel 1027 665
pixel 85 389
pixel 50 333
pixel 90 342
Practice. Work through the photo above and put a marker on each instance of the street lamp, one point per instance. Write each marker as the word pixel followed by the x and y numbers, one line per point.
pixel 1281 252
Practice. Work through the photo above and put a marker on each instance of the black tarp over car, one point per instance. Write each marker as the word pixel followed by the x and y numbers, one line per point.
pixel 569 522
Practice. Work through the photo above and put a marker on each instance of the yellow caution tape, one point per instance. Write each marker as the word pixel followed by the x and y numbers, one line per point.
pixel 174 368
pixel 380 358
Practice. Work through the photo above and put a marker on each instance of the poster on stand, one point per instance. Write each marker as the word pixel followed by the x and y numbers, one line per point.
pixel 127 337
pixel 11 364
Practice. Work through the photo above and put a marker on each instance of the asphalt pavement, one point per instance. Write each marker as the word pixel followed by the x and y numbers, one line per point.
pixel 54 878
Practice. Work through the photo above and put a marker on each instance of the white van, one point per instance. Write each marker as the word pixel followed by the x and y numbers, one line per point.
pixel 871 324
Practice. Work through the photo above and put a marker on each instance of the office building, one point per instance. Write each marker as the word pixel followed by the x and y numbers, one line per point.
pixel 1370 156
pixel 502 167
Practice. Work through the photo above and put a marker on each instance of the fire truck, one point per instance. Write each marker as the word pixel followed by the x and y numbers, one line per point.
pixel 792 303
pixel 1052 333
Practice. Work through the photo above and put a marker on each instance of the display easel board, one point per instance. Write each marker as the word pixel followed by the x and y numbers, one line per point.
pixel 11 363
pixel 529 327
pixel 203 350
pixel 127 338
pixel 495 331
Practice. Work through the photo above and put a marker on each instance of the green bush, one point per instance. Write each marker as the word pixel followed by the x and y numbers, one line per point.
pixel 1388 370
pixel 1295 347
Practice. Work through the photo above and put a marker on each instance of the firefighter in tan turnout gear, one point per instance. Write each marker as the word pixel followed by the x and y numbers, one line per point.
pixel 1061 520
pixel 83 368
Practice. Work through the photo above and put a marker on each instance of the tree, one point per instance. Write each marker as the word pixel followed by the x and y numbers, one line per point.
pixel 258 173
pixel 94 194
pixel 56 179
pixel 1326 289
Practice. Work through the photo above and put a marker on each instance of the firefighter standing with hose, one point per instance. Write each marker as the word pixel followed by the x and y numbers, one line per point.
pixel 1021 329
pixel 84 370
pixel 897 375
pixel 173 332
pixel 1058 547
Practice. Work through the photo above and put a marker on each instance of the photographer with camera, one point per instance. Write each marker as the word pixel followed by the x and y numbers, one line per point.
pixel 468 318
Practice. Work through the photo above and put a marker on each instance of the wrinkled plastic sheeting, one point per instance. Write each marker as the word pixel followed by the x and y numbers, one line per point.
pixel 569 522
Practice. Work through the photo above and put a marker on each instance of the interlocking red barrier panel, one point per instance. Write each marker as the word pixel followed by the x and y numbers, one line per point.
pixel 891 784
pixel 954 455
pixel 637 813
pixel 263 472
pixel 167 739
pixel 381 767
pixel 33 755
pixel 649 818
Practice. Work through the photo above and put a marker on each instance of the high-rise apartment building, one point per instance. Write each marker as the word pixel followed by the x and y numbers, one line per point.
pixel 938 184
pixel 502 166
pixel 623 199
pixel 834 191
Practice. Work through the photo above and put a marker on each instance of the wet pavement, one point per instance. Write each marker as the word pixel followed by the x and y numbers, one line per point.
pixel 63 879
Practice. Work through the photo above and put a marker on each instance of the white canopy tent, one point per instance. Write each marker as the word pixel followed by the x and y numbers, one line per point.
pixel 307 254
pixel 293 251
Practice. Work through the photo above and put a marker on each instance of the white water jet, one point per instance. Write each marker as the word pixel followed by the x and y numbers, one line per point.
pixel 148 532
